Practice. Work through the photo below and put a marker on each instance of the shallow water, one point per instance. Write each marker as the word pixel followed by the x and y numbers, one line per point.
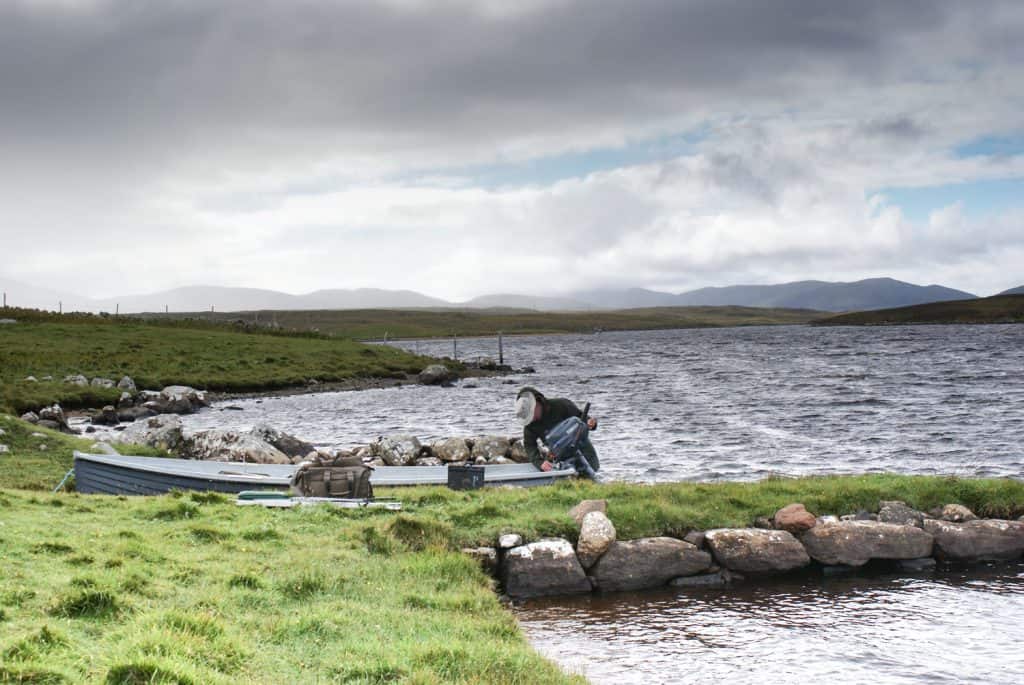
pixel 742 404
pixel 738 403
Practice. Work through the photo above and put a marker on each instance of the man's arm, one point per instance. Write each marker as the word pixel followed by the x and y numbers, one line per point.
pixel 530 443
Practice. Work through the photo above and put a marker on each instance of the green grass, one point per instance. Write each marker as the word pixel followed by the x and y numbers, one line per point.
pixel 997 309
pixel 373 324
pixel 155 355
pixel 190 588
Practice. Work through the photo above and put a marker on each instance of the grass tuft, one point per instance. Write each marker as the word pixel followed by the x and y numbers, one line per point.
pixel 87 604
pixel 245 580
pixel 180 510
pixel 145 672
pixel 419 534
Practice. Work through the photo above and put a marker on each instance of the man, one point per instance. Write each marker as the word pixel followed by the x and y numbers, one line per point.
pixel 539 415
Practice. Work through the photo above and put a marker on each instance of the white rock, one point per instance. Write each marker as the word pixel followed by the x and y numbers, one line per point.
pixel 597 533
pixel 510 540
pixel 4 449
pixel 31 379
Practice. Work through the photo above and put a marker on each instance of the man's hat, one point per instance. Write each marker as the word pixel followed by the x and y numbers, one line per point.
pixel 526 405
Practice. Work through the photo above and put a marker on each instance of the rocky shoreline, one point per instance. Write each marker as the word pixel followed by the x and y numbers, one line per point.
pixel 792 541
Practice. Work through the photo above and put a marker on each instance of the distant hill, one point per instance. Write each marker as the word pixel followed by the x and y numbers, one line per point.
pixel 995 309
pixel 20 294
pixel 1014 291
pixel 510 301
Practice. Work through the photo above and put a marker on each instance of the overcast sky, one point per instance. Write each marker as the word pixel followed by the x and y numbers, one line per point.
pixel 539 146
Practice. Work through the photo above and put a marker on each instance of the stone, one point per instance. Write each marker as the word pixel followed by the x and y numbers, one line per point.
pixel 578 512
pixel 31 379
pixel 829 518
pixel 487 557
pixel 4 449
pixel 898 512
pixel 957 513
pixel 763 522
pixel 427 461
pixel 227 445
pixel 854 543
pixel 177 399
pixel 517 451
pixel 102 383
pixel 38 435
pixel 860 515
pixel 30 417
pixel 647 563
pixel 127 384
pixel 148 395
pixel 129 414
pixel 794 518
pixel 396 450
pixel 289 444
pixel 103 448
pixel 509 540
pixel 42 447
pixel 1021 518
pixel 452 449
pixel 695 538
pixel 721 578
pixel 756 551
pixel 125 400
pixel 978 540
pixel 106 417
pixel 2 432
pixel 596 535
pixel 47 423
pixel 435 374
pixel 77 379
pixel 162 432
pixel 544 568
pixel 55 415
pixel 490 447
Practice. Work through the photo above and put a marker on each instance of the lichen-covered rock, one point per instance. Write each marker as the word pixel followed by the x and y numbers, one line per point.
pixel 55 415
pixel 107 416
pixel 585 507
pixel 289 444
pixel 487 557
pixel 127 384
pixel 957 513
pixel 544 568
pixel 854 543
pixel 227 445
pixel 898 512
pixel 426 461
pixel 756 551
pixel 30 417
pixel 452 449
pixel 179 399
pixel 647 563
pixel 102 383
pixel 517 452
pixel 435 374
pixel 979 540
pixel 125 400
pixel 490 447
pixel 396 450
pixel 510 540
pixel 794 518
pixel 596 535
pixel 162 432
pixel 77 379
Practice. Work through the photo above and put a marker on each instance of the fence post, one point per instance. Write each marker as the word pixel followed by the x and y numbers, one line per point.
pixel 455 347
pixel 501 350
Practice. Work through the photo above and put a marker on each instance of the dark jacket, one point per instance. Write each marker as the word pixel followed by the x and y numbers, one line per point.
pixel 553 411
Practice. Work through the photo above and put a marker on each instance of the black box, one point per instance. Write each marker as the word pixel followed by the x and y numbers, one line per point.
pixel 465 477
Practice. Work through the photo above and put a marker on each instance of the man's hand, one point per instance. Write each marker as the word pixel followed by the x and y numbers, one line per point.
pixel 546 466
pixel 592 423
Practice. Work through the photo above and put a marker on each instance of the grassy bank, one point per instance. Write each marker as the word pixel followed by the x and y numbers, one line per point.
pixel 156 355
pixel 373 324
pixel 193 589
pixel 998 309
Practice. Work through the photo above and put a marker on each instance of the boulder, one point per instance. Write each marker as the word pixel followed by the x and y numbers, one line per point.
pixel 509 540
pixel 596 534
pixel 647 563
pixel 487 557
pixel 854 543
pixel 177 399
pixel 544 568
pixel 517 451
pixel 129 414
pixel 148 395
pixel 125 400
pixel 899 513
pixel 78 379
pixel 30 417
pixel 957 513
pixel 127 384
pixel 55 414
pixel 490 447
pixel 227 445
pixel 102 383
pixel 578 512
pixel 427 461
pixel 435 374
pixel 396 450
pixel 695 538
pixel 794 518
pixel 978 540
pixel 452 449
pixel 763 522
pixel 107 416
pixel 162 432
pixel 289 444
pixel 756 551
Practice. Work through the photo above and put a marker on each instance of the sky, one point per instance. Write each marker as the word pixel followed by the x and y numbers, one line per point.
pixel 541 147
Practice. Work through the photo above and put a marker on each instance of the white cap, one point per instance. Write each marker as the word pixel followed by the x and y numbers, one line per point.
pixel 526 404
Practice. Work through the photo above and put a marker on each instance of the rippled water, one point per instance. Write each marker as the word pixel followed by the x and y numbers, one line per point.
pixel 738 403
pixel 947 627
pixel 742 404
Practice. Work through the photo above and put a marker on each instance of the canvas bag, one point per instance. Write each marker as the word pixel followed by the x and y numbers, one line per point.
pixel 345 477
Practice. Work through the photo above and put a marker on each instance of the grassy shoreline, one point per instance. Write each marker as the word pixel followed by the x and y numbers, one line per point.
pixel 189 588
pixel 999 309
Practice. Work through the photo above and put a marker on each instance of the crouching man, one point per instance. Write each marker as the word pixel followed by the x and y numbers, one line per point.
pixel 540 415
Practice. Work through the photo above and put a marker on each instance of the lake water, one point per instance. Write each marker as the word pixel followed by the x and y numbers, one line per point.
pixel 743 404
